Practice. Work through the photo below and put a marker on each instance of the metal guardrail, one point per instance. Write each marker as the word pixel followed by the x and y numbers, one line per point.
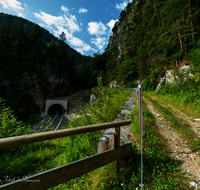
pixel 56 176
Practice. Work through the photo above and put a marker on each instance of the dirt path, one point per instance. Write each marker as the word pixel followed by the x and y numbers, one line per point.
pixel 180 151
pixel 194 123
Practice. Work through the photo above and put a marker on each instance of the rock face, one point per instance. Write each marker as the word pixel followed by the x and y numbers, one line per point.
pixel 120 38
pixel 120 31
pixel 169 76
pixel 114 84
pixel 92 98
pixel 42 89
pixel 57 86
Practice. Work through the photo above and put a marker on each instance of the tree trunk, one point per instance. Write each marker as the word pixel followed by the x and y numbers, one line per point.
pixel 191 21
pixel 181 44
pixel 184 34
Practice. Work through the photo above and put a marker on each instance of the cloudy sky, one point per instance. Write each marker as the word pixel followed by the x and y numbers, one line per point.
pixel 86 23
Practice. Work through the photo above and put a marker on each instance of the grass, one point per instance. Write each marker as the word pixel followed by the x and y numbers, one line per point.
pixel 38 157
pixel 184 129
pixel 160 171
pixel 182 102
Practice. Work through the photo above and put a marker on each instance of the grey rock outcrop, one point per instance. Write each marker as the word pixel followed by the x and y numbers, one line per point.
pixel 114 84
pixel 169 76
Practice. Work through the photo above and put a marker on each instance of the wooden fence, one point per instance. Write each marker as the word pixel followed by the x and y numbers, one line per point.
pixel 58 175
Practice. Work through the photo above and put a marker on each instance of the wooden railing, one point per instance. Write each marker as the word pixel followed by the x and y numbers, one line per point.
pixel 58 175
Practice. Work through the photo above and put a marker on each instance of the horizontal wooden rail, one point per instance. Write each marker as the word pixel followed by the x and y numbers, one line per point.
pixel 55 176
pixel 28 139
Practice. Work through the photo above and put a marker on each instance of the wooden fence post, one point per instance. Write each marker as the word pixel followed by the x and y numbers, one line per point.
pixel 117 137
pixel 117 142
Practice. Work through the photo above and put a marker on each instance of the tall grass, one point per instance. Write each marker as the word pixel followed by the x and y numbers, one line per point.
pixel 38 157
pixel 184 90
pixel 160 171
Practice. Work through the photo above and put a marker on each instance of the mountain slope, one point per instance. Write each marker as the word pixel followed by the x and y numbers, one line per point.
pixel 152 36
pixel 32 69
pixel 47 37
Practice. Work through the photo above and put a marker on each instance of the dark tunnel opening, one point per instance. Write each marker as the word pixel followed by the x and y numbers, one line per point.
pixel 56 109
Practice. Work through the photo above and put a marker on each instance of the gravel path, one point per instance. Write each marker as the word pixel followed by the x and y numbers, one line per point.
pixel 180 151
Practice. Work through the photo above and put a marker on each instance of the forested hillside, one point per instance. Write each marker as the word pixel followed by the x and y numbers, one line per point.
pixel 149 38
pixel 32 69
pixel 46 36
pixel 152 36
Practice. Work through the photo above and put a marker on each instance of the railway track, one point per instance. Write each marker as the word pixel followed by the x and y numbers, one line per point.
pixel 50 123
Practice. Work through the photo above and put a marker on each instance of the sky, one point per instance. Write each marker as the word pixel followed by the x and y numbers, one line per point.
pixel 87 23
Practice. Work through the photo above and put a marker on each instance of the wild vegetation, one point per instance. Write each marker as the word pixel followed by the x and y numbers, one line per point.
pixel 160 171
pixel 34 158
pixel 155 36
pixel 27 61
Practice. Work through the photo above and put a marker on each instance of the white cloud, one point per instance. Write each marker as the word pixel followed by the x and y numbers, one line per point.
pixel 69 21
pixel 82 10
pixel 76 42
pixel 13 5
pixel 21 15
pixel 111 24
pixel 61 29
pixel 25 5
pixel 49 19
pixel 65 9
pixel 85 48
pixel 67 24
pixel 101 33
pixel 97 28
pixel 99 42
pixel 121 6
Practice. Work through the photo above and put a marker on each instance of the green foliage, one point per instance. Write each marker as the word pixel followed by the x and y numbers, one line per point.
pixel 100 111
pixel 39 157
pixel 27 62
pixel 9 126
pixel 158 36
pixel 149 84
pixel 24 84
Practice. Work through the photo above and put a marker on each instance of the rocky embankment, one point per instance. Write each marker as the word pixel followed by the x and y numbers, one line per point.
pixel 106 141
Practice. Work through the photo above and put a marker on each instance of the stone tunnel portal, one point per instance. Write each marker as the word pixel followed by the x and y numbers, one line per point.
pixel 55 106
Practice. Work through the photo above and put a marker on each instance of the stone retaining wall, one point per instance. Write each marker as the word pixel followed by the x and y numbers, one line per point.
pixel 106 141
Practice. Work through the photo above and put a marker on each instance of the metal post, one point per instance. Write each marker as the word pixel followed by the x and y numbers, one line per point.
pixel 141 132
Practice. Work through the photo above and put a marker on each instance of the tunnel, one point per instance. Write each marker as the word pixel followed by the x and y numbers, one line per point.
pixel 56 109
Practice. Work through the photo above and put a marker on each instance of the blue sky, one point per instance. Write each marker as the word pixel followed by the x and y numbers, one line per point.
pixel 86 23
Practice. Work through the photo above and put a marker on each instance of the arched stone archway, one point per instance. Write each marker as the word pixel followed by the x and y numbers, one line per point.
pixel 49 103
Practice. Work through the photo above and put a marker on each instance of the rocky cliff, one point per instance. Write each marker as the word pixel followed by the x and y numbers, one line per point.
pixel 147 40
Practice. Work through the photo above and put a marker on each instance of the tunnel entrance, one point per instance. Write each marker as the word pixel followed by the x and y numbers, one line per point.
pixel 55 106
pixel 56 109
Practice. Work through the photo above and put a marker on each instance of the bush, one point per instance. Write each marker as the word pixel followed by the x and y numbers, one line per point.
pixel 9 126
pixel 149 84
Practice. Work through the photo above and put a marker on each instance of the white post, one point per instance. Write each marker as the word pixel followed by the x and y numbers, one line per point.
pixel 141 132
